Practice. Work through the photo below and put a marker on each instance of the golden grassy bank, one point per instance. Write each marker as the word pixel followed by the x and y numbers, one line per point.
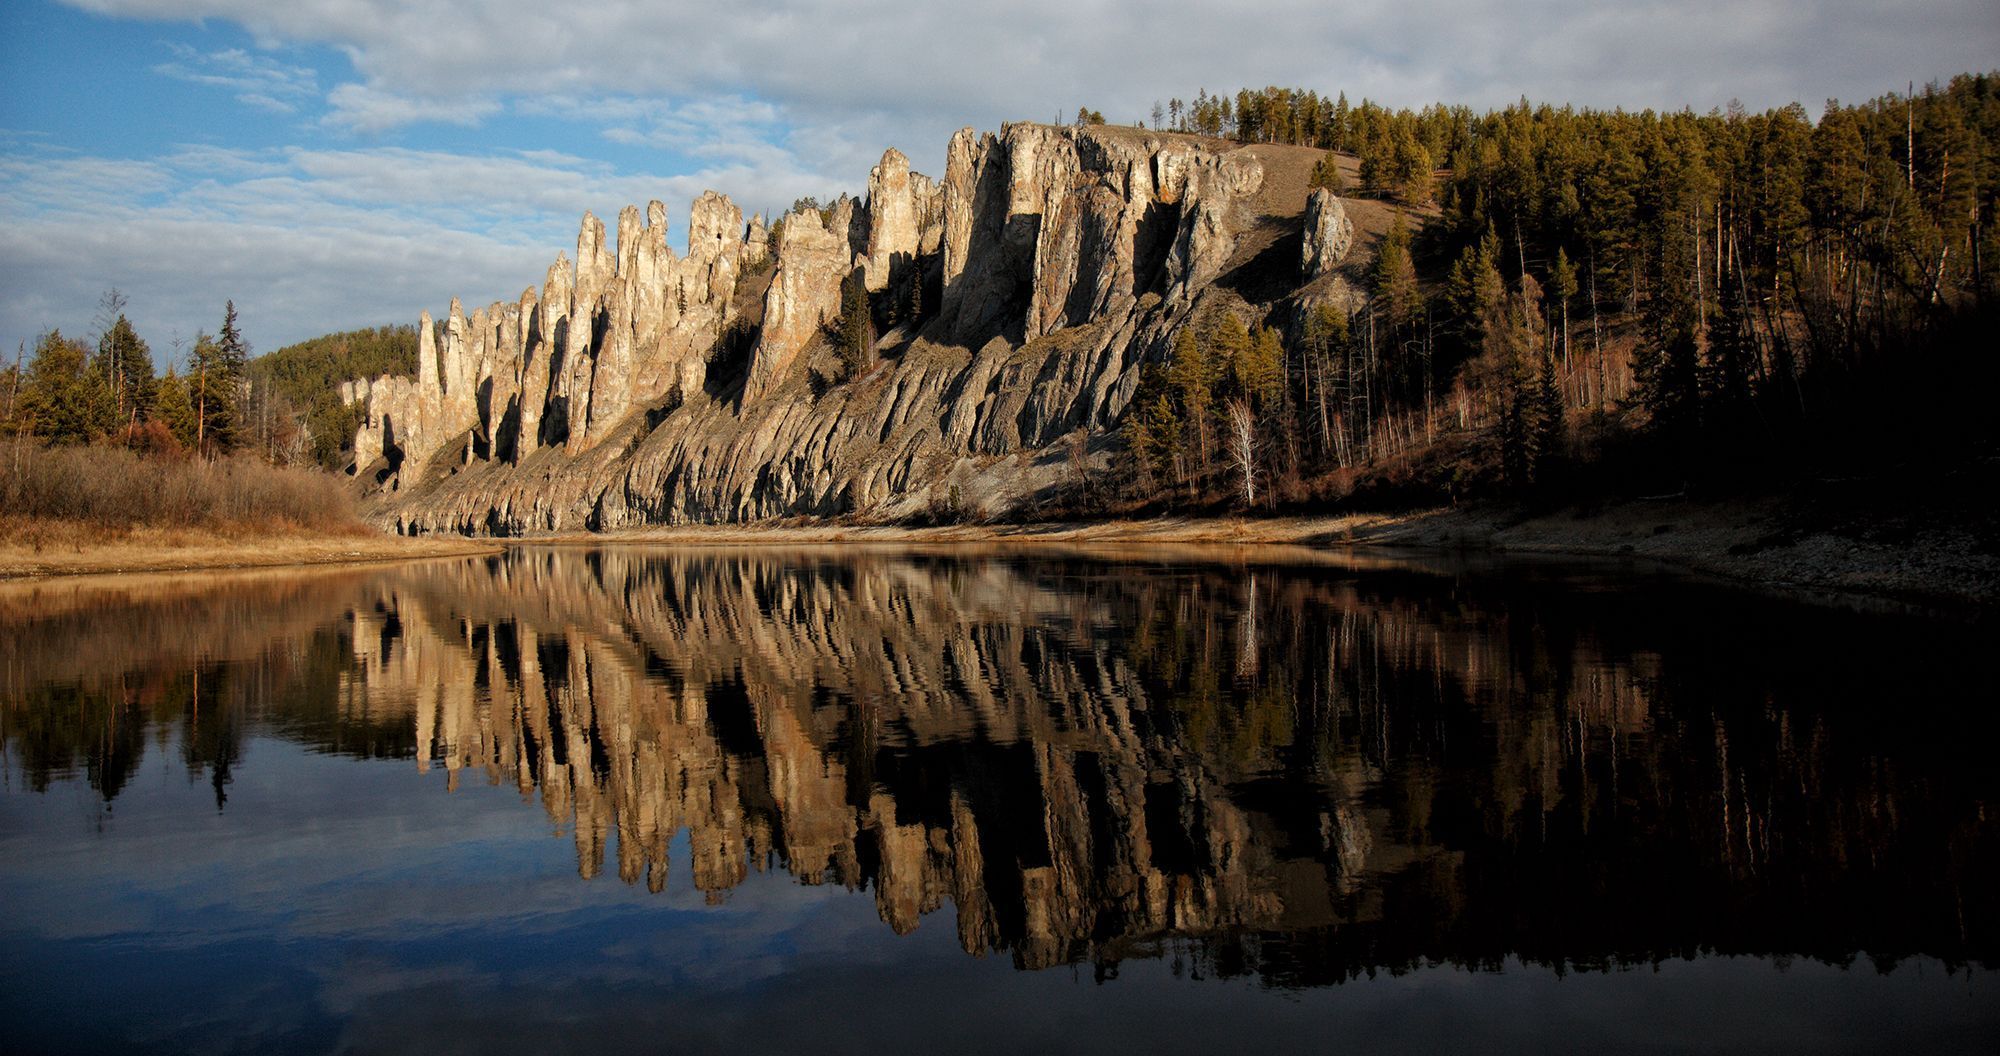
pixel 107 509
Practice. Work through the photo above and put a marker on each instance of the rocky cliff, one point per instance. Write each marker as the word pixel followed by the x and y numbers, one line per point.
pixel 1016 300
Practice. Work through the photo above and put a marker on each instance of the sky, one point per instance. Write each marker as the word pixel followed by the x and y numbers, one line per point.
pixel 331 164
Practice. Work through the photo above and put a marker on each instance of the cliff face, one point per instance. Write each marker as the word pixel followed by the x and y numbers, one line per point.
pixel 1016 299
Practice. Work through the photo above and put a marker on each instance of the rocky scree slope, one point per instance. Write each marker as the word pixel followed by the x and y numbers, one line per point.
pixel 1017 300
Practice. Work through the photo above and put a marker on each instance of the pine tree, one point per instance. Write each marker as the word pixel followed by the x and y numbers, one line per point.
pixel 1562 287
pixel 173 408
pixel 1257 368
pixel 1229 344
pixel 1192 378
pixel 857 338
pixel 1326 173
pixel 1325 338
pixel 1410 166
pixel 62 399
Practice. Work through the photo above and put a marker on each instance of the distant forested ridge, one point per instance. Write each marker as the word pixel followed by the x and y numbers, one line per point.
pixel 284 406
pixel 305 378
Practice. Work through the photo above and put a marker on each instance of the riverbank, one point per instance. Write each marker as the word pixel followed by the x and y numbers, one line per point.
pixel 1950 562
pixel 1915 557
pixel 72 550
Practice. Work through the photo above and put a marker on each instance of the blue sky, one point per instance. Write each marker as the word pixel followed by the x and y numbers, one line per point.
pixel 338 163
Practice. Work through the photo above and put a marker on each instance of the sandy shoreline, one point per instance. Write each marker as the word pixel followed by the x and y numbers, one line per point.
pixel 155 551
pixel 1753 542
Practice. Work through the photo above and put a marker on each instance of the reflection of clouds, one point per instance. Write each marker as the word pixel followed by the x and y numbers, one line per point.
pixel 353 980
pixel 175 875
pixel 1412 768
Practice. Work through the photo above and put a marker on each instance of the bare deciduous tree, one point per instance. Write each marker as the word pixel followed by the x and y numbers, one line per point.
pixel 1243 446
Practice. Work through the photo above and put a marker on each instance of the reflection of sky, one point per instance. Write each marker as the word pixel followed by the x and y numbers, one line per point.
pixel 355 906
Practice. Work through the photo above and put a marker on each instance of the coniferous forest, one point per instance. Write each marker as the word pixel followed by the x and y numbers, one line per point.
pixel 1580 299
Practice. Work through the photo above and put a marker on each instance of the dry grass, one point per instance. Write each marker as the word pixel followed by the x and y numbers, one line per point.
pixel 69 494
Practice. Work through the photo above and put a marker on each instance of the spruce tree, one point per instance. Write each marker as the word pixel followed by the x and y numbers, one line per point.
pixel 1727 368
pixel 212 393
pixel 1396 276
pixel 62 399
pixel 127 366
pixel 173 408
pixel 1550 428
pixel 857 338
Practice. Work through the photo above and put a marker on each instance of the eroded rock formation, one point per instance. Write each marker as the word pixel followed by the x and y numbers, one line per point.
pixel 1016 300
pixel 1328 234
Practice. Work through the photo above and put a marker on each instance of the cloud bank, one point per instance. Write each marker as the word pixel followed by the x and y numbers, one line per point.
pixel 774 100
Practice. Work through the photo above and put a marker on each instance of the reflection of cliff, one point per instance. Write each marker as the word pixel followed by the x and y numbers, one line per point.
pixel 1298 771
pixel 1314 773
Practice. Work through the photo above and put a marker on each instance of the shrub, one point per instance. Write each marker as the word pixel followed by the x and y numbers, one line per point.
pixel 114 488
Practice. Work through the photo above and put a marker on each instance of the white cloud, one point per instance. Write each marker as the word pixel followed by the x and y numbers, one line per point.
pixel 890 73
pixel 787 98
pixel 987 60
pixel 258 81
pixel 367 108
pixel 305 241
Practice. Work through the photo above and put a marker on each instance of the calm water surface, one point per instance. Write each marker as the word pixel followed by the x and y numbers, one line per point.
pixel 858 801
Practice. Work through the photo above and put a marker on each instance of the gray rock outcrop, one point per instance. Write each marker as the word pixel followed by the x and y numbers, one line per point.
pixel 1058 261
pixel 1329 234
pixel 892 219
pixel 804 296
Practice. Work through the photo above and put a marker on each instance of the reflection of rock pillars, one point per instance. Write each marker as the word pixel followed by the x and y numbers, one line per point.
pixel 1063 765
pixel 569 713
pixel 1414 773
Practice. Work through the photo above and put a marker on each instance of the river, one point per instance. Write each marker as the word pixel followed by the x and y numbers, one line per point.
pixel 1166 799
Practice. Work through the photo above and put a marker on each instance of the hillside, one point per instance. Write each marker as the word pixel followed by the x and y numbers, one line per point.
pixel 1535 305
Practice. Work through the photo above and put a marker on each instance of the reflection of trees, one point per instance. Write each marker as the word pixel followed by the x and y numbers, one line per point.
pixel 89 673
pixel 1298 773
pixel 101 730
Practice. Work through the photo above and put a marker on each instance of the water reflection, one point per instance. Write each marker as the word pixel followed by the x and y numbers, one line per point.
pixel 1299 771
